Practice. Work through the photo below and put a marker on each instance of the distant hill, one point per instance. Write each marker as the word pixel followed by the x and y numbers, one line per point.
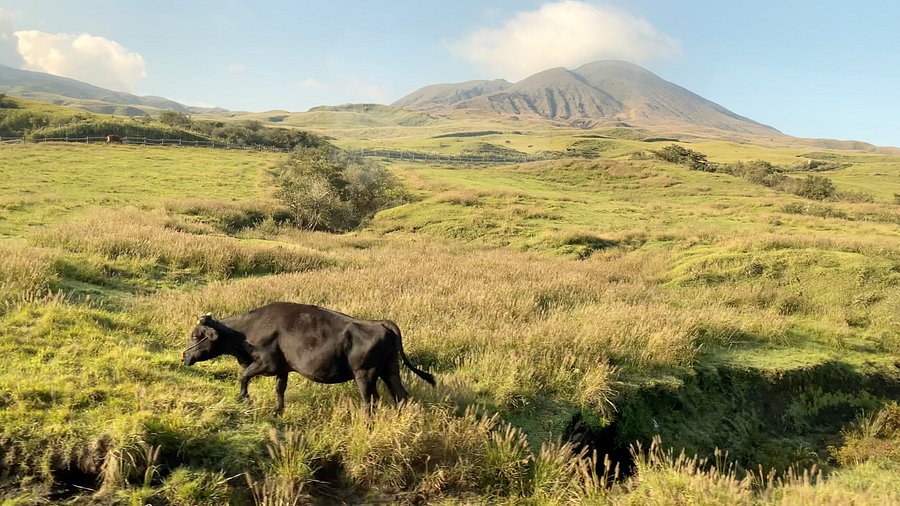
pixel 603 93
pixel 65 91
pixel 441 95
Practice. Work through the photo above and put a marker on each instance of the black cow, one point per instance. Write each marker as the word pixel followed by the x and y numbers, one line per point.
pixel 322 345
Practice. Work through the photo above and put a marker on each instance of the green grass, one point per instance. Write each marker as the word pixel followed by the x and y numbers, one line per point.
pixel 600 290
pixel 55 182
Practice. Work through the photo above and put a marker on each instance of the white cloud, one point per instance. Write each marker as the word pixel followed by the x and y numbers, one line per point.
pixel 85 57
pixel 9 53
pixel 567 33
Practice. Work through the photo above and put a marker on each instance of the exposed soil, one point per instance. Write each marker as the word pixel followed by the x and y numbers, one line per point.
pixel 773 419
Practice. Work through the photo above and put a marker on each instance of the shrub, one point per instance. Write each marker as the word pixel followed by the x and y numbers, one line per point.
pixel 6 103
pixel 816 187
pixel 757 171
pixel 91 128
pixel 674 153
pixel 328 189
pixel 175 119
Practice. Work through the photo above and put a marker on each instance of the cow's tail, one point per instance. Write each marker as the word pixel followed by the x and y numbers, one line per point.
pixel 420 373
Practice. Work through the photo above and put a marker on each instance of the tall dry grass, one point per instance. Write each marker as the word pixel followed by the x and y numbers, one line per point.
pixel 145 235
pixel 508 326
pixel 26 273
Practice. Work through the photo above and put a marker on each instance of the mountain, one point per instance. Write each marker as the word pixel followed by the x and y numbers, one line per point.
pixel 64 91
pixel 441 95
pixel 603 93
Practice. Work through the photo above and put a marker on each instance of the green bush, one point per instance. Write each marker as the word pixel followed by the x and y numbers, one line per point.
pixel 175 119
pixel 328 189
pixel 6 103
pixel 816 187
pixel 105 127
pixel 245 133
pixel 674 153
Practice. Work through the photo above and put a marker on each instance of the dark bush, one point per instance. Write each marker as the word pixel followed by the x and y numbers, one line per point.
pixel 674 153
pixel 6 103
pixel 816 187
pixel 175 119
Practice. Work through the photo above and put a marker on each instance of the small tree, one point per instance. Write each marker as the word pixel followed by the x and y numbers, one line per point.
pixel 328 189
pixel 816 187
pixel 674 153
pixel 175 119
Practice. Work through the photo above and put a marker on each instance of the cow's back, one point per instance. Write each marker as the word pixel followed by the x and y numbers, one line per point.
pixel 314 341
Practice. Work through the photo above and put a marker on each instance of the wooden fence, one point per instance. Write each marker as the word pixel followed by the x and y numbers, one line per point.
pixel 466 158
pixel 393 154
pixel 144 141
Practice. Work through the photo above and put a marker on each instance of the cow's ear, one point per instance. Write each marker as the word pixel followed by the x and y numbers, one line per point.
pixel 204 319
pixel 211 334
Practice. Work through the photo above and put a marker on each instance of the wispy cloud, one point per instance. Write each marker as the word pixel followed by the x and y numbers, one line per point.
pixel 236 68
pixel 567 33
pixel 310 82
pixel 90 58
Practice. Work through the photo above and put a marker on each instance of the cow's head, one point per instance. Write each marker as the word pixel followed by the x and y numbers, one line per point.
pixel 204 342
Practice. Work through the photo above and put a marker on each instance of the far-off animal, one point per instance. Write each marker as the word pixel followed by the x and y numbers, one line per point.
pixel 113 139
pixel 322 345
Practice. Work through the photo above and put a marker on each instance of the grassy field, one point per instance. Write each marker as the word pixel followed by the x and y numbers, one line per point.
pixel 566 306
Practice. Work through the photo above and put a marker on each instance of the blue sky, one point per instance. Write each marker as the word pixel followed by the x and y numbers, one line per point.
pixel 811 69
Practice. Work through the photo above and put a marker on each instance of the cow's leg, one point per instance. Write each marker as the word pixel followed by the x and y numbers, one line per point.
pixel 396 387
pixel 391 377
pixel 280 387
pixel 254 369
pixel 366 381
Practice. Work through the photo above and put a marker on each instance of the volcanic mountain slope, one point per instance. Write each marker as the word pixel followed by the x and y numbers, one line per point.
pixel 603 93
pixel 441 95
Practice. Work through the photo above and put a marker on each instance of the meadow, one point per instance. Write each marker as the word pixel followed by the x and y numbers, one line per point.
pixel 722 342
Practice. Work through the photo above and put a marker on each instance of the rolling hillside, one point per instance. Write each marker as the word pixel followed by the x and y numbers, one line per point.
pixel 65 91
